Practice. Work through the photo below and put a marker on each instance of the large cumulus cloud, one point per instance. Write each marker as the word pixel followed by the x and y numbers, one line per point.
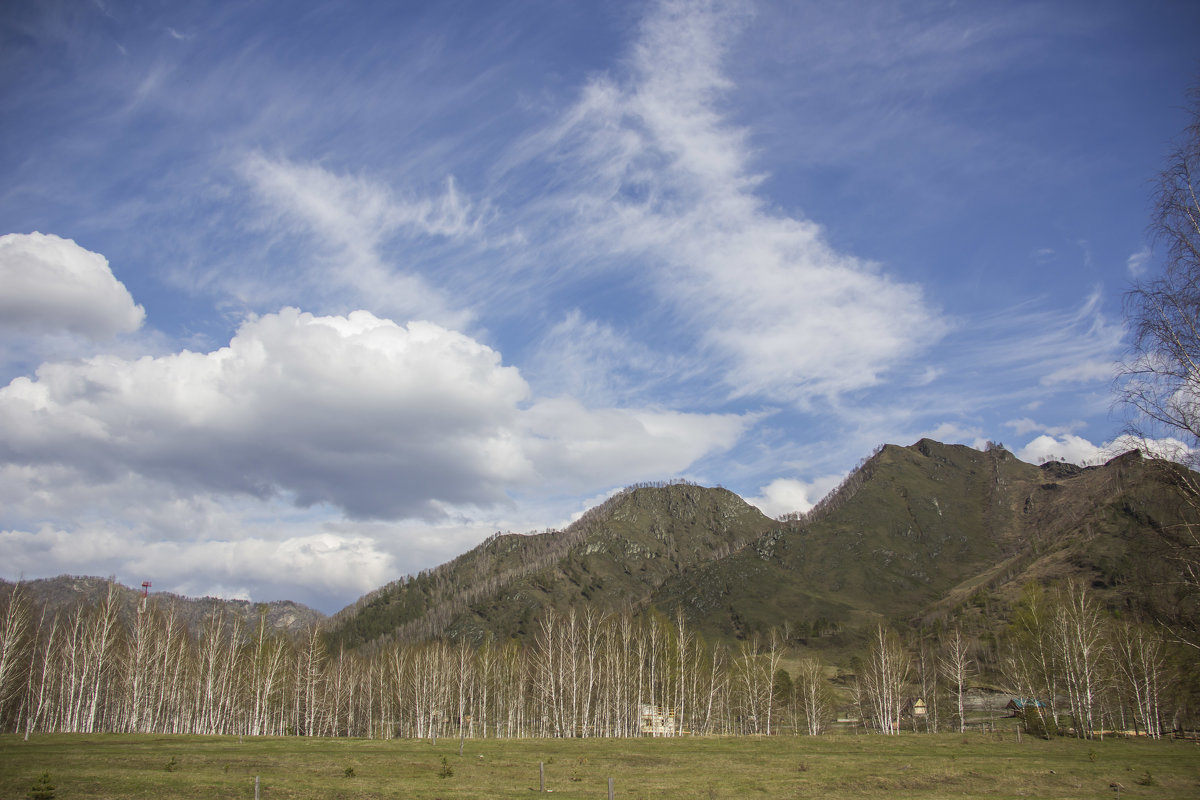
pixel 355 412
pixel 52 285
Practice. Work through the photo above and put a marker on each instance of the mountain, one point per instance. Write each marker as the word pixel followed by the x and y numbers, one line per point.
pixel 915 533
pixel 67 591
pixel 924 531
pixel 615 557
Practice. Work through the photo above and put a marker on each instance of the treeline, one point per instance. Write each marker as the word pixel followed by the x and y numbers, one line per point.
pixel 586 674
pixel 1068 665
pixel 87 670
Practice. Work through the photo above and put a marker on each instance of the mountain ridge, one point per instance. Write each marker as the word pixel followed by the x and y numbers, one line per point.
pixel 64 592
pixel 913 535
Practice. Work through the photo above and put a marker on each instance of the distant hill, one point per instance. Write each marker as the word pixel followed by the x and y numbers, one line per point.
pixel 915 533
pixel 67 591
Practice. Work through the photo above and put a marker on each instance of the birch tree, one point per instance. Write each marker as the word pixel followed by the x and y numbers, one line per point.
pixel 1159 380
pixel 1139 654
pixel 16 635
pixel 39 686
pixel 886 672
pixel 1032 663
pixel 1082 641
pixel 100 641
pixel 813 695
pixel 957 667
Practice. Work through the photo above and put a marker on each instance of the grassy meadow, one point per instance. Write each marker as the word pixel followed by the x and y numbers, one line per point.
pixel 837 766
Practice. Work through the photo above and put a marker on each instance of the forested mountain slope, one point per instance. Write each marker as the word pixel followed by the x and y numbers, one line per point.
pixel 916 532
pixel 929 529
pixel 613 558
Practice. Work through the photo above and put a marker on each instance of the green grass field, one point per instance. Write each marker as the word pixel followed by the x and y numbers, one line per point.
pixel 837 766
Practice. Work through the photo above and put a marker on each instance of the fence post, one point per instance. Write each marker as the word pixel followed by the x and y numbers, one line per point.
pixel 610 789
pixel 255 787
pixel 541 776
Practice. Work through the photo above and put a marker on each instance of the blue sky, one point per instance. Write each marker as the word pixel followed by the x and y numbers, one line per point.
pixel 302 297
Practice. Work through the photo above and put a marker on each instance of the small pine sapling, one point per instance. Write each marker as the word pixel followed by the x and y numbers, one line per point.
pixel 43 789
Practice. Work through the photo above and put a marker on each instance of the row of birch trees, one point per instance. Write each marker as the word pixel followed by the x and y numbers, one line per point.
pixel 583 674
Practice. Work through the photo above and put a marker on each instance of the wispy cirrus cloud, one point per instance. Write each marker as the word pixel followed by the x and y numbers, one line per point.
pixel 596 362
pixel 1024 353
pixel 354 212
pixel 1136 263
pixel 656 173
pixel 1026 425
pixel 352 219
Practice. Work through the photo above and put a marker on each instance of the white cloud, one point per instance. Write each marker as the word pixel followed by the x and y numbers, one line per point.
pixel 596 363
pixel 356 412
pixel 1067 447
pixel 1137 262
pixel 954 432
pixel 785 495
pixel 1084 372
pixel 52 286
pixel 326 563
pixel 352 218
pixel 1077 450
pixel 1026 425
pixel 575 448
pixel 314 567
pixel 663 177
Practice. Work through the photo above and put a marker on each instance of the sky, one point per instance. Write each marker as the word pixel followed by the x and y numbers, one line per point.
pixel 297 298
